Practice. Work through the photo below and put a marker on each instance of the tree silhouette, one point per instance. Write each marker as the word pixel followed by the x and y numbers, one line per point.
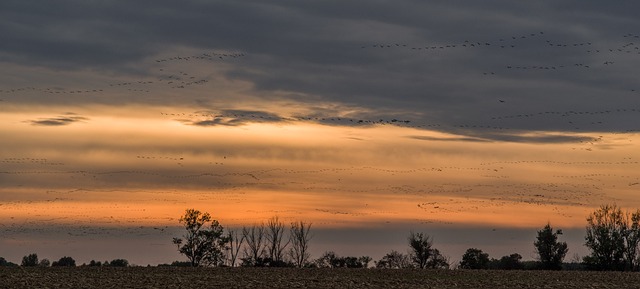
pixel 300 237
pixel 474 259
pixel 235 243
pixel 420 245
pixel 30 260
pixel 276 243
pixel 613 237
pixel 550 251
pixel 203 247
pixel 254 251
pixel 423 255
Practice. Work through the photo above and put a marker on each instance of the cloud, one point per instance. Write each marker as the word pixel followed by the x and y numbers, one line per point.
pixel 232 118
pixel 66 119
pixel 453 139
pixel 437 62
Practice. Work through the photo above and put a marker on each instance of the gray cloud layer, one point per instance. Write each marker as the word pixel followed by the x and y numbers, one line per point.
pixel 460 65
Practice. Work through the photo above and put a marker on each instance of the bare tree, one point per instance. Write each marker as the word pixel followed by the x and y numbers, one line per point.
pixel 254 236
pixel 300 238
pixel 275 239
pixel 235 244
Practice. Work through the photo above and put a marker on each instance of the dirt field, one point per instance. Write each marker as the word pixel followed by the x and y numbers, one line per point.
pixel 121 278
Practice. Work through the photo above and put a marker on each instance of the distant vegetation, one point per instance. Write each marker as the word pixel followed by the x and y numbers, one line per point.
pixel 612 236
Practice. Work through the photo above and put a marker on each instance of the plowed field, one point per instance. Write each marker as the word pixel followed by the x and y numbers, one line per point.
pixel 151 277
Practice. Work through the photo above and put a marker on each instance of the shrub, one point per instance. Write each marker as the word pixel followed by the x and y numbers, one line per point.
pixel 64 262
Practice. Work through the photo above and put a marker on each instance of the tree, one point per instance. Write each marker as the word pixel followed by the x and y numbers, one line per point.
pixel 438 261
pixel 235 243
pixel 203 247
pixel 365 260
pixel 550 252
pixel 474 259
pixel 613 237
pixel 300 237
pixel 64 262
pixel 327 260
pixel 254 236
pixel 420 245
pixel 30 260
pixel 275 239
pixel 423 255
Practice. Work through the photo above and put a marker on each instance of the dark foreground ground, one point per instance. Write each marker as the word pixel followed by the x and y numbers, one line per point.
pixel 91 277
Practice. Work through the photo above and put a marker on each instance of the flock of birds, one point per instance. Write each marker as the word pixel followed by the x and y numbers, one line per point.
pixel 498 185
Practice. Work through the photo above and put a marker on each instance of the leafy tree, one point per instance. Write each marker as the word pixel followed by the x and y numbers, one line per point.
pixel 202 246
pixel 474 259
pixel 30 260
pixel 613 237
pixel 394 260
pixel 300 237
pixel 364 260
pixel 438 261
pixel 420 245
pixel 551 253
pixel 64 262
pixel 423 255
pixel 327 260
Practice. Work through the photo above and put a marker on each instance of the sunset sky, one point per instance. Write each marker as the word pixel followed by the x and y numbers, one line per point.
pixel 476 122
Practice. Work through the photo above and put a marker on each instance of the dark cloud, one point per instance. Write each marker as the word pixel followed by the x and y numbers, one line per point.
pixel 438 62
pixel 231 118
pixel 67 119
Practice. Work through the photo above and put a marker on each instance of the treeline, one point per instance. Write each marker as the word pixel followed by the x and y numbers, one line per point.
pixel 612 236
pixel 32 260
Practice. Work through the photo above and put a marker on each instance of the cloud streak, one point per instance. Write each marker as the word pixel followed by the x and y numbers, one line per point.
pixel 66 119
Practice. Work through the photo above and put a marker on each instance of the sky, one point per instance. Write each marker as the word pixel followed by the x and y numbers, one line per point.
pixel 475 122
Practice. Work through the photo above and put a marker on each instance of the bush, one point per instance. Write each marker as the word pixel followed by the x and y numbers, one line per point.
pixel 5 263
pixel 119 263
pixel 64 262
pixel 44 263
pixel 95 263
pixel 511 262
pixel 331 260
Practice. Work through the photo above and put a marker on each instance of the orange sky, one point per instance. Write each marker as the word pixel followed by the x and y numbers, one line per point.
pixel 146 170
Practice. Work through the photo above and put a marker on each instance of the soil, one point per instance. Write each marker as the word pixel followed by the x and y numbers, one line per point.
pixel 172 277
